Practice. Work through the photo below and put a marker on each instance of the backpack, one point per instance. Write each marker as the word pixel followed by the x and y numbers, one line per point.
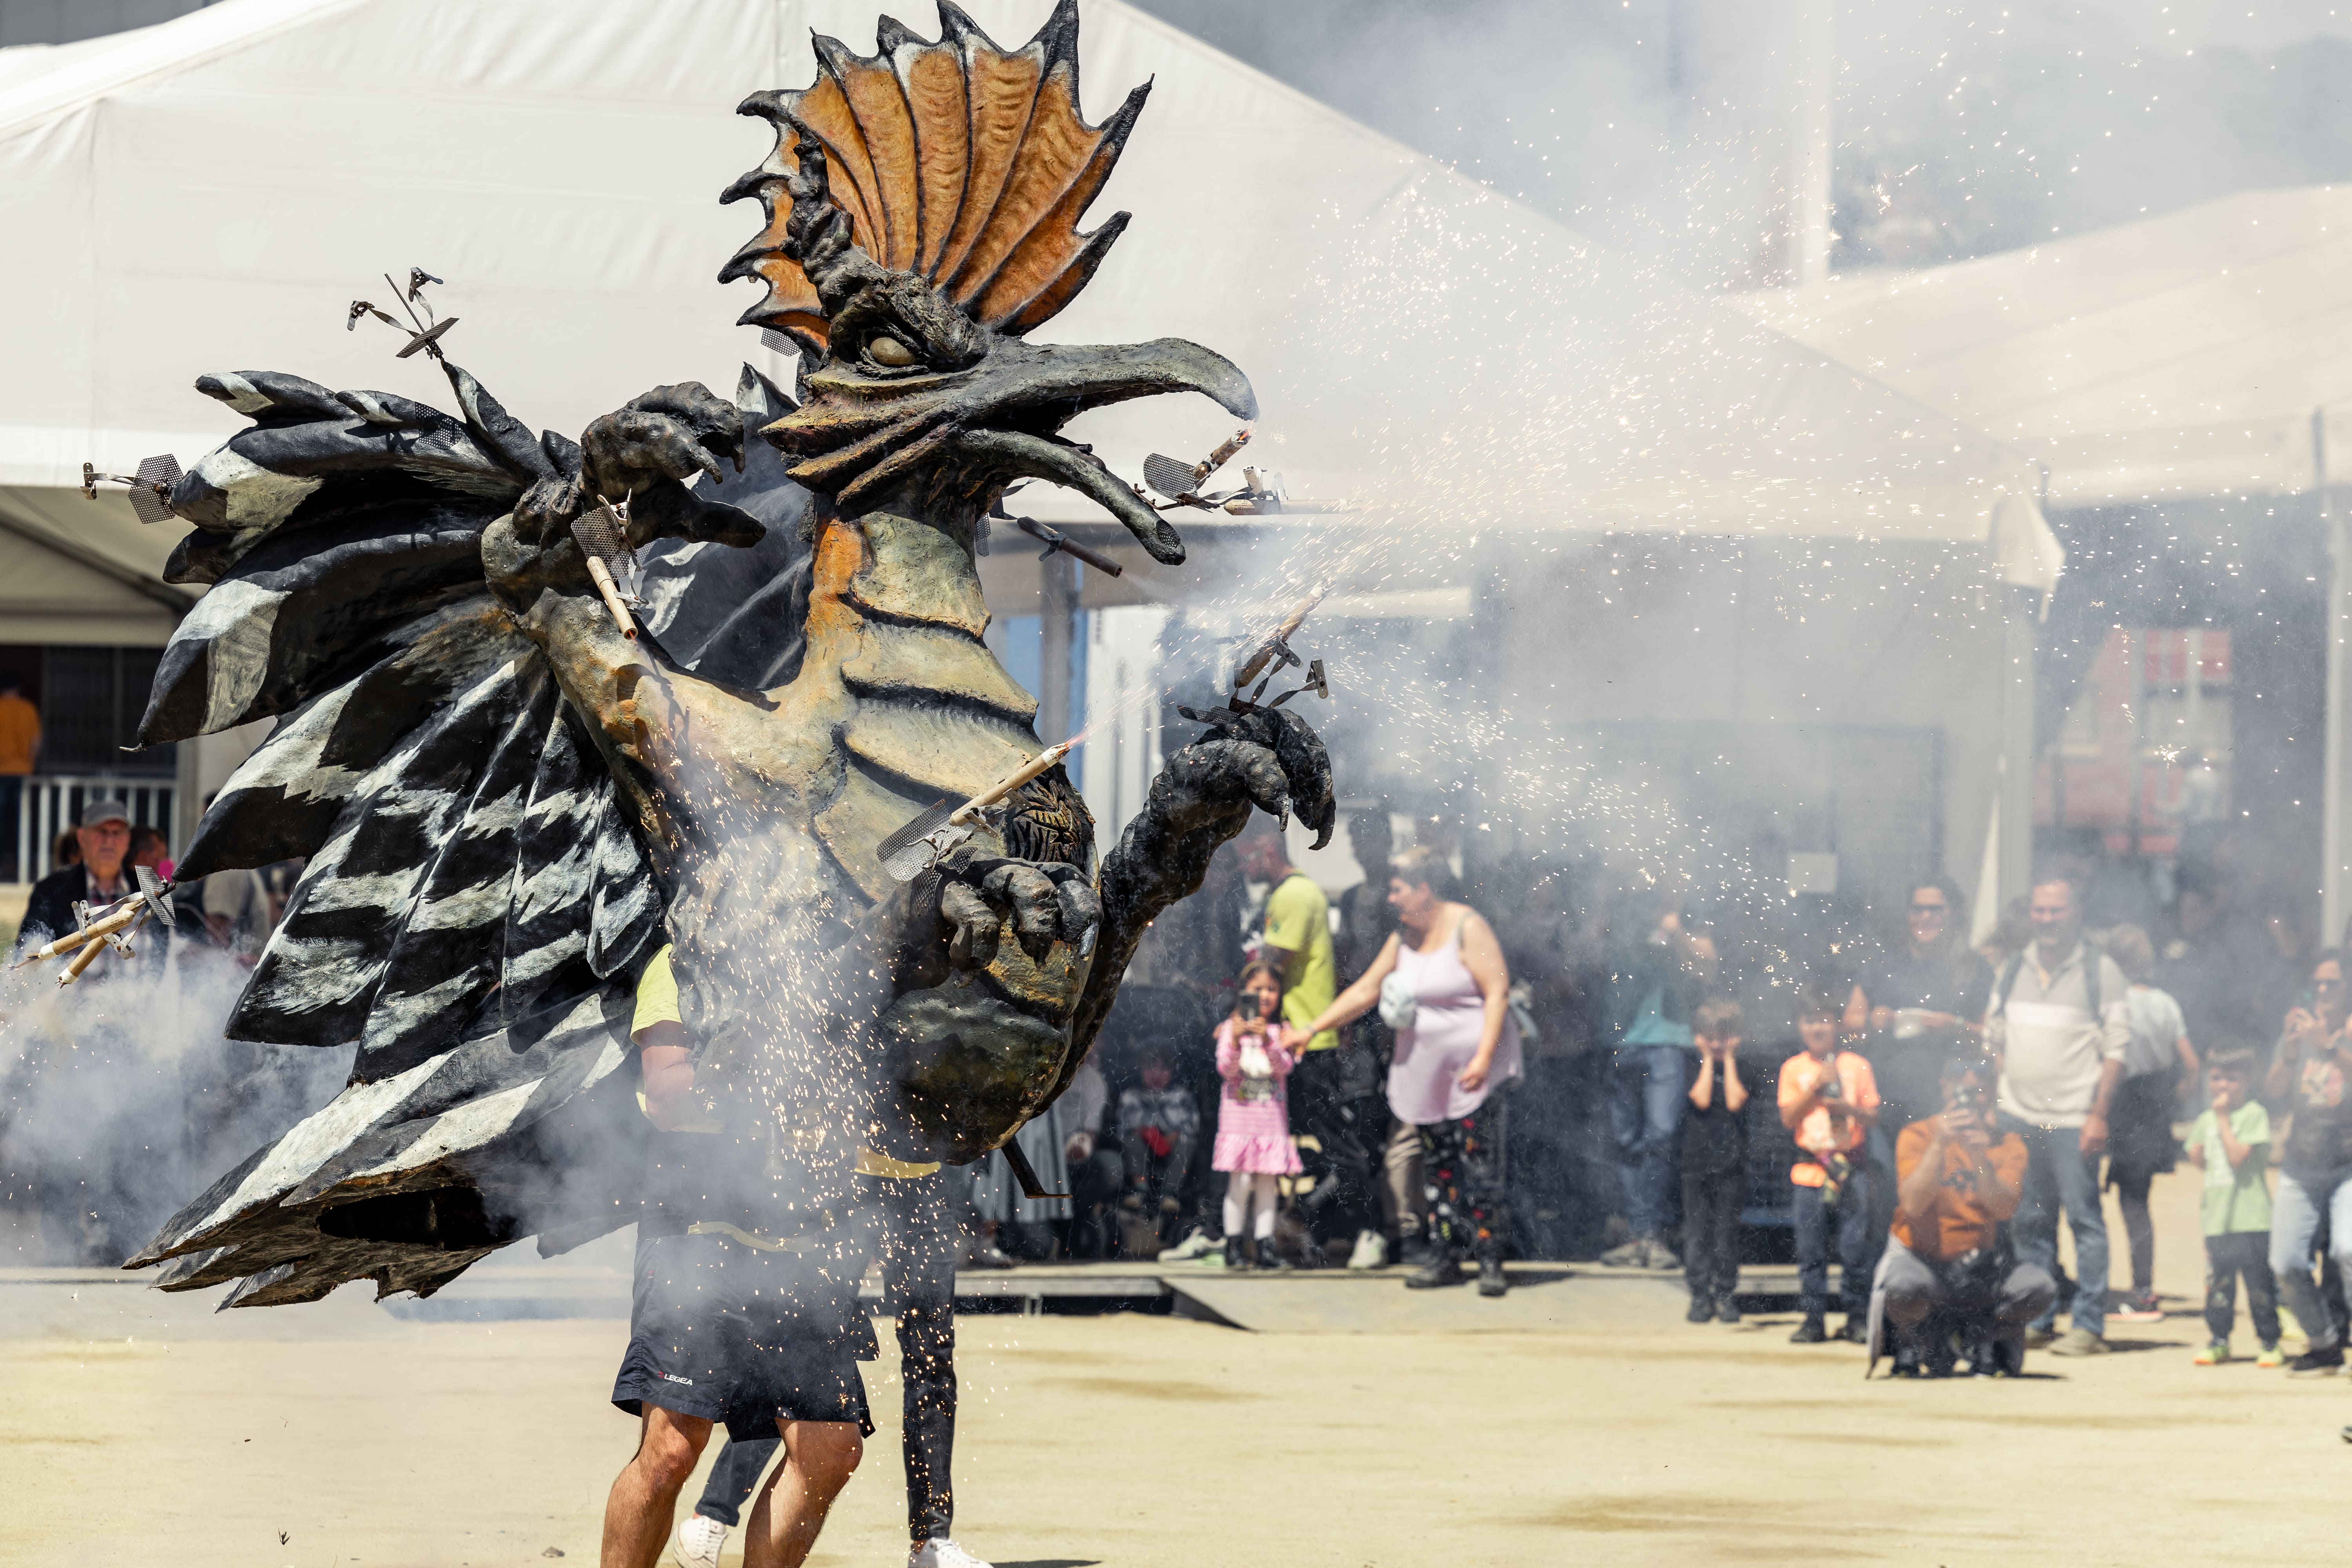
pixel 2093 957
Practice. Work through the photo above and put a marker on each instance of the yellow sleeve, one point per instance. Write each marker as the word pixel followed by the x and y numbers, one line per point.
pixel 656 994
pixel 1292 909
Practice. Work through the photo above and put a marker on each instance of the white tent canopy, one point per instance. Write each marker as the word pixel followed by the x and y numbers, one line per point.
pixel 2180 357
pixel 212 192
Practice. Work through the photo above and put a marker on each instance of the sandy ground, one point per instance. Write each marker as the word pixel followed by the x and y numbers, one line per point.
pixel 1597 1426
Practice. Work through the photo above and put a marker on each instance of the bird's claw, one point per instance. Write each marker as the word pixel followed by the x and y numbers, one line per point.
pixel 1276 760
pixel 1045 903
pixel 647 450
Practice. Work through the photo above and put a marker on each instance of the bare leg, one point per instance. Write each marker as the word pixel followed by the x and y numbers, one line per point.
pixel 644 1496
pixel 819 1459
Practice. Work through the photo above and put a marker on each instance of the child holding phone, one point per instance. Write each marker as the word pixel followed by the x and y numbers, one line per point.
pixel 1829 1100
pixel 1255 1051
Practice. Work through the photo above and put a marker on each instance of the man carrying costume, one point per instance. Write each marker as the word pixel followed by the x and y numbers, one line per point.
pixel 905 1211
pixel 744 1309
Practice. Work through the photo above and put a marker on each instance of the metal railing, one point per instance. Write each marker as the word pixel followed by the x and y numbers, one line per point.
pixel 51 803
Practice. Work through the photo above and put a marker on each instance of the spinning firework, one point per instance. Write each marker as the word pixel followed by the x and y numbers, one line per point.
pixel 424 331
pixel 151 487
pixel 113 925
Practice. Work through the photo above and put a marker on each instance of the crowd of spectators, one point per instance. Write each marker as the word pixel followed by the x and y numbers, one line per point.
pixel 1612 1071
pixel 1446 1077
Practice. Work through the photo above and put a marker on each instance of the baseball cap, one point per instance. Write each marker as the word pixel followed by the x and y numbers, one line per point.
pixel 99 812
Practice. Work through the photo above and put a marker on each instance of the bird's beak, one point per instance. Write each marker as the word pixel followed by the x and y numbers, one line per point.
pixel 999 420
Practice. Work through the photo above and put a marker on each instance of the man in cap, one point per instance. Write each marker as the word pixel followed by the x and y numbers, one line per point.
pixel 86 1152
pixel 103 831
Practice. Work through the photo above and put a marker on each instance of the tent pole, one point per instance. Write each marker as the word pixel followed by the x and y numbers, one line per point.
pixel 1058 604
pixel 2016 849
pixel 1811 186
pixel 187 799
pixel 2336 875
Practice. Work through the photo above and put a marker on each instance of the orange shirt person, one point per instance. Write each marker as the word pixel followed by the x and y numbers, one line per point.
pixel 1955 1184
pixel 1952 1282
pixel 20 746
pixel 20 729
pixel 1829 1100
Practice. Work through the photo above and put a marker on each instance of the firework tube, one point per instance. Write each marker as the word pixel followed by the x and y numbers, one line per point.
pixel 1035 766
pixel 1054 539
pixel 81 960
pixel 106 925
pixel 1290 624
pixel 1221 457
pixel 604 585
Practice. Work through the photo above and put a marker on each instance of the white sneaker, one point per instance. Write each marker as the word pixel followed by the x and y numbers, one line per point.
pixel 1371 1250
pixel 1194 1246
pixel 698 1542
pixel 941 1552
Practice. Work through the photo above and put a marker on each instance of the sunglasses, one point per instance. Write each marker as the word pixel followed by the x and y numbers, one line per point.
pixel 1931 909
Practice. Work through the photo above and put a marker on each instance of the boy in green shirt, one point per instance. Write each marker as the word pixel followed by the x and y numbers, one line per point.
pixel 2232 1140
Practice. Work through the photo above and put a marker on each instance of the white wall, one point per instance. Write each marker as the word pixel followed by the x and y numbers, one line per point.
pixel 1121 754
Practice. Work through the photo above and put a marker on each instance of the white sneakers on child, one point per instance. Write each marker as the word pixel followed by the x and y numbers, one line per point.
pixel 1195 1246
pixel 1371 1251
pixel 698 1542
pixel 942 1553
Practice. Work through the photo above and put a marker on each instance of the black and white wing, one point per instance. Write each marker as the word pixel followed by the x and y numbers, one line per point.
pixel 469 869
pixel 458 827
pixel 476 904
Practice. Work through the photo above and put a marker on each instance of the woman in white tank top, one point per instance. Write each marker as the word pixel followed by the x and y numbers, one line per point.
pixel 1441 982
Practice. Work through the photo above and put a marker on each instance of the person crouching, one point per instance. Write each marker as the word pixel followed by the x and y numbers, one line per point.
pixel 1829 1100
pixel 1949 1268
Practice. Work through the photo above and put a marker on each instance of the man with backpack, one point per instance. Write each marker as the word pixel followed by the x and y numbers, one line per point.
pixel 2061 1022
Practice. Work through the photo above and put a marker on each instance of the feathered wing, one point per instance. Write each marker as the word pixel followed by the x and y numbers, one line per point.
pixel 476 904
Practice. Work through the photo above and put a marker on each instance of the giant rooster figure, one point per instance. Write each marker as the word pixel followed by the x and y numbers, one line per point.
pixel 504 800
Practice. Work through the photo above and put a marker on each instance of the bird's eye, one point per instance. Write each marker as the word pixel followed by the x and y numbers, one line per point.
pixel 890 352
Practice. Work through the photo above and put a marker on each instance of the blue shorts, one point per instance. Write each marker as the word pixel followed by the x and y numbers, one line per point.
pixel 747 1337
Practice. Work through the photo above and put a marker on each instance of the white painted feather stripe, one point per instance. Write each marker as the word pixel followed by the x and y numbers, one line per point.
pixel 317 1138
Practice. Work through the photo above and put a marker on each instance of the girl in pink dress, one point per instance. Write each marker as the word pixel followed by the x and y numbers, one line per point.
pixel 1255 1050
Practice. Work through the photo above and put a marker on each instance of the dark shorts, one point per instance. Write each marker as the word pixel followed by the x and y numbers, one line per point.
pixel 2139 1126
pixel 735 1334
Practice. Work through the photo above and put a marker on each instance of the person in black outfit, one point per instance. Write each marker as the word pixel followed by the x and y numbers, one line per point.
pixel 1715 1161
pixel 918 1235
pixel 1919 1008
pixel 1921 1003
pixel 102 834
pixel 1365 918
pixel 90 1154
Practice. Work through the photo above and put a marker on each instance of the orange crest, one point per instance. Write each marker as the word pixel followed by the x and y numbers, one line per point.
pixel 957 160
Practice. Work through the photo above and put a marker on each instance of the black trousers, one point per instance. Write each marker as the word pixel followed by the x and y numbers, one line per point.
pixel 920 1236
pixel 1466 1160
pixel 1711 1204
pixel 2245 1254
pixel 1156 1176
pixel 1329 1102
pixel 1095 1186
